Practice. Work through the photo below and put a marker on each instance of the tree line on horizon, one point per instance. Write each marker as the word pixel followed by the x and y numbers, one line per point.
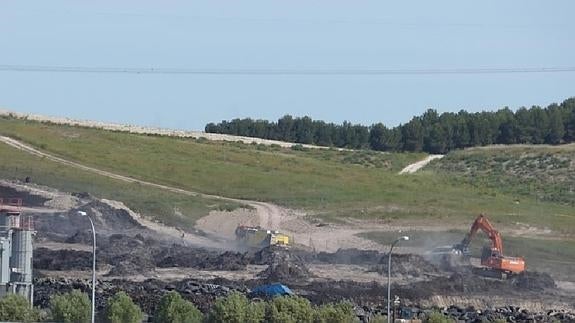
pixel 430 132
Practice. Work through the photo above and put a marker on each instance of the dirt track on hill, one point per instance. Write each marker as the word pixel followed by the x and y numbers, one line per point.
pixel 412 168
pixel 267 215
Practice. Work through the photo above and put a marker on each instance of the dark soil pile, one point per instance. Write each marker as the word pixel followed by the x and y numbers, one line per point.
pixel 71 227
pixel 46 259
pixel 461 283
pixel 138 254
pixel 180 256
pixel 534 281
pixel 146 294
pixel 406 265
pixel 27 198
pixel 351 257
pixel 284 267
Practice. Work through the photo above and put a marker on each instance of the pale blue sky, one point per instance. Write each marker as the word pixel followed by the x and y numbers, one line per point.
pixel 293 34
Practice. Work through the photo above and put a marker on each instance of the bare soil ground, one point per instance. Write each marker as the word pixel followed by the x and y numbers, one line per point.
pixel 131 248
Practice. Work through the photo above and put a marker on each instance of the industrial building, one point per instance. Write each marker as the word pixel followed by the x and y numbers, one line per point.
pixel 16 232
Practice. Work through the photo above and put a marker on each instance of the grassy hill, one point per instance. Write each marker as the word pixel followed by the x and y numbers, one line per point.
pixel 542 172
pixel 327 183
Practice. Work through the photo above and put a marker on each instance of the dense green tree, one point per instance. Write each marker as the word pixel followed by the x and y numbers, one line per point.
pixel 73 307
pixel 412 134
pixel 236 308
pixel 436 141
pixel 285 129
pixel 568 108
pixel 335 313
pixel 303 128
pixel 121 309
pixel 174 309
pixel 376 135
pixel 15 308
pixel 323 133
pixel 289 309
pixel 431 132
pixel 556 127
pixel 462 136
pixel 540 124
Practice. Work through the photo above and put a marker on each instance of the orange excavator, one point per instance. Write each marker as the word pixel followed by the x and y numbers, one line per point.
pixel 492 258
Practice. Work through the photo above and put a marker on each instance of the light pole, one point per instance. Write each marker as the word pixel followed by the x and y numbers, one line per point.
pixel 93 263
pixel 403 238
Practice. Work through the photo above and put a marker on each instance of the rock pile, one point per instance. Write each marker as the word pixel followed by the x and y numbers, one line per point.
pixel 508 313
pixel 146 294
pixel 284 266
pixel 136 255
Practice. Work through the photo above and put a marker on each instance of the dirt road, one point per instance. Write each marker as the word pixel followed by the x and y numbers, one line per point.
pixel 222 224
pixel 270 215
pixel 412 168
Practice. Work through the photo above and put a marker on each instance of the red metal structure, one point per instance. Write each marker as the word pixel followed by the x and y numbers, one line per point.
pixel 10 204
pixel 492 257
pixel 12 207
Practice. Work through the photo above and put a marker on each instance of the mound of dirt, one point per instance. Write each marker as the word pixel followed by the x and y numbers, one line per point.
pixel 179 256
pixel 469 283
pixel 284 267
pixel 534 281
pixel 28 199
pixel 402 264
pixel 351 257
pixel 130 255
pixel 406 265
pixel 46 259
pixel 71 227
pixel 146 294
pixel 81 237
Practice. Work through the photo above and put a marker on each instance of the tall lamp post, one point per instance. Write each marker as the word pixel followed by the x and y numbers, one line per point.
pixel 93 264
pixel 403 238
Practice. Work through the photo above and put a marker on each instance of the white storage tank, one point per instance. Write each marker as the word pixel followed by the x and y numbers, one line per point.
pixel 5 253
pixel 21 260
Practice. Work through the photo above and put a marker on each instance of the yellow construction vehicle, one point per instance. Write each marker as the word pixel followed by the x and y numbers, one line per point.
pixel 256 237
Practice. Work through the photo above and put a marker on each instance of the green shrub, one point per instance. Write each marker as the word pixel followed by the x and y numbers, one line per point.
pixel 289 309
pixel 121 309
pixel 174 309
pixel 335 313
pixel 437 317
pixel 299 147
pixel 256 312
pixel 16 308
pixel 236 308
pixel 73 307
pixel 378 318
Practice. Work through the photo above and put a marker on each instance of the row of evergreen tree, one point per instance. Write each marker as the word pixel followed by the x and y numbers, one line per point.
pixel 431 132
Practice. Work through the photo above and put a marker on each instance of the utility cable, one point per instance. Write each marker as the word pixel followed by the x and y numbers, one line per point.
pixel 270 71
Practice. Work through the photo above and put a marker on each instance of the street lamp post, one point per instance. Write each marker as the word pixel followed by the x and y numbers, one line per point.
pixel 93 264
pixel 403 238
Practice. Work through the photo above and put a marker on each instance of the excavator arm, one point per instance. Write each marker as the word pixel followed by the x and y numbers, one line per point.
pixel 482 223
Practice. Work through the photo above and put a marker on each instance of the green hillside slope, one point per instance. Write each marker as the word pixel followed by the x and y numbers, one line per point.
pixel 540 172
pixel 325 183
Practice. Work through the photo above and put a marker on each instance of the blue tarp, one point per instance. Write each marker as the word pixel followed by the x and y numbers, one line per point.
pixel 271 290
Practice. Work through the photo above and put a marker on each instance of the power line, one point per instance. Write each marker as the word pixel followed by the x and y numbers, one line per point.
pixel 279 72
